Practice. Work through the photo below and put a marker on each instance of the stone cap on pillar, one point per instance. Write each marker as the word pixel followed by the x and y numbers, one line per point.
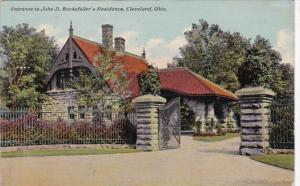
pixel 255 91
pixel 149 99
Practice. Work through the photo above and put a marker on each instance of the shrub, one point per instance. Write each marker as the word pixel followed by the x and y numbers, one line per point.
pixel 187 117
pixel 149 82
pixel 30 130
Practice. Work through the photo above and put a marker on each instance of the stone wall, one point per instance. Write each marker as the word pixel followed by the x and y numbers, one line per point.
pixel 254 102
pixel 57 103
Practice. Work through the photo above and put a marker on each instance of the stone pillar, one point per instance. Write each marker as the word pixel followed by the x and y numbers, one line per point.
pixel 147 121
pixel 254 102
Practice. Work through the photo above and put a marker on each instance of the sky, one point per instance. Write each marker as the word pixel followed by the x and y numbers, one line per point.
pixel 161 33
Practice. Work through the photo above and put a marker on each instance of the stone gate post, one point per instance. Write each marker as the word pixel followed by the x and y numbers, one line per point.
pixel 146 108
pixel 254 102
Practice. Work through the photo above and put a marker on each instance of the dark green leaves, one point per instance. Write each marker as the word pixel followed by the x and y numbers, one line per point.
pixel 149 82
pixel 29 55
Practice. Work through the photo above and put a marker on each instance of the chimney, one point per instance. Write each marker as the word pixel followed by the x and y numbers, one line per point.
pixel 107 36
pixel 120 44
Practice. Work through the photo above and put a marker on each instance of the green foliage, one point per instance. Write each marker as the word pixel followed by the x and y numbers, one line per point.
pixel 31 130
pixel 260 65
pixel 29 55
pixel 232 61
pixel 126 105
pixel 285 161
pixel 283 82
pixel 213 137
pixel 215 54
pixel 107 81
pixel 65 152
pixel 149 82
pixel 187 117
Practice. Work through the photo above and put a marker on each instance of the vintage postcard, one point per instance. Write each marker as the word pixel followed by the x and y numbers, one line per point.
pixel 147 93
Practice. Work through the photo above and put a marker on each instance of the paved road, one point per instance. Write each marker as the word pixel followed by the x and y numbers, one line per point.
pixel 195 163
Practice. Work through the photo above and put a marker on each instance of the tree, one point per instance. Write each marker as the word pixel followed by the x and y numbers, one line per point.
pixel 233 61
pixel 107 81
pixel 214 54
pixel 149 82
pixel 260 67
pixel 29 55
pixel 283 82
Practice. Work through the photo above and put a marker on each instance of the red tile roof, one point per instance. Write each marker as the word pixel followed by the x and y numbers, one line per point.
pixel 186 82
pixel 180 80
pixel 132 89
pixel 131 62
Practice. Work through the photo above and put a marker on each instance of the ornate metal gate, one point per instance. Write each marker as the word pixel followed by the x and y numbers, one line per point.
pixel 169 125
pixel 281 129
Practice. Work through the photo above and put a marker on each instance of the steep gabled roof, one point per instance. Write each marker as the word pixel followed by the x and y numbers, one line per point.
pixel 131 63
pixel 186 82
pixel 180 80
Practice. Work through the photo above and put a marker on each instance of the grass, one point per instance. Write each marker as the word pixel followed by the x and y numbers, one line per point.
pixel 285 161
pixel 216 138
pixel 65 152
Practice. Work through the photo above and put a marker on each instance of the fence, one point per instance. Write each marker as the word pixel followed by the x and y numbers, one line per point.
pixel 43 128
pixel 281 130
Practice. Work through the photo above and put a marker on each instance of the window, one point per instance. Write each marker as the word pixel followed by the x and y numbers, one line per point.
pixel 74 55
pixel 67 56
pixel 62 81
pixel 71 112
pixel 81 112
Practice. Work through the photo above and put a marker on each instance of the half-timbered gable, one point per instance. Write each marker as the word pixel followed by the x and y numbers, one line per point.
pixel 207 100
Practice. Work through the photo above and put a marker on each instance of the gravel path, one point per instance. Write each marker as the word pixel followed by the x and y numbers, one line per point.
pixel 195 163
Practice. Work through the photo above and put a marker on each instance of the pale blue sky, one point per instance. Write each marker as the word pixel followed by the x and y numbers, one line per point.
pixel 161 33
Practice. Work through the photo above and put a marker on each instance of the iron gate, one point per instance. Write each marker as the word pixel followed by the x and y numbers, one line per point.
pixel 169 125
pixel 281 129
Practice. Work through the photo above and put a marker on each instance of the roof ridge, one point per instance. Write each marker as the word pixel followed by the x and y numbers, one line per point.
pixel 90 41
pixel 198 76
pixel 172 69
pixel 101 45
pixel 135 55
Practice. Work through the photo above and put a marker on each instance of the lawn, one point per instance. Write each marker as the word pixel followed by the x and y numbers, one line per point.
pixel 216 138
pixel 279 160
pixel 65 152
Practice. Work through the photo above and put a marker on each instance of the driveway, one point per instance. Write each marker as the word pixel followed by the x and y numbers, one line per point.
pixel 195 163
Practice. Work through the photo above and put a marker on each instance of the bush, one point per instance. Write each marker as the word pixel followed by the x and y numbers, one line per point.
pixel 149 82
pixel 210 134
pixel 187 117
pixel 30 130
